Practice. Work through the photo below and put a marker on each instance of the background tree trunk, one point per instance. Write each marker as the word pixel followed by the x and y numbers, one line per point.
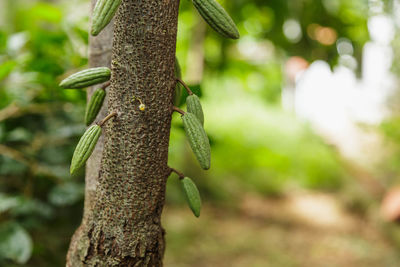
pixel 121 225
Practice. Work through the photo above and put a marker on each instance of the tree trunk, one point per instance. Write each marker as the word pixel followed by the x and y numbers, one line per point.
pixel 122 224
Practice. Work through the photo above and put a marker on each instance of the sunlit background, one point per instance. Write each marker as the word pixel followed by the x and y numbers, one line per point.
pixel 303 114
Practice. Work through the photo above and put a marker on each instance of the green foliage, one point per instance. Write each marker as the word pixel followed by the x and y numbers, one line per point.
pixel 15 243
pixel 390 129
pixel 38 127
pixel 66 194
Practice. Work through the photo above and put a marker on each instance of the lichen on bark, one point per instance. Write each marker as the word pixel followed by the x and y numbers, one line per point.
pixel 123 226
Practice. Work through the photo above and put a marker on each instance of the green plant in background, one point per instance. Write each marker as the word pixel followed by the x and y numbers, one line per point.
pixel 34 149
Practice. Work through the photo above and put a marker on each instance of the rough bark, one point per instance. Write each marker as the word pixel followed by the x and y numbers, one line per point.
pixel 123 225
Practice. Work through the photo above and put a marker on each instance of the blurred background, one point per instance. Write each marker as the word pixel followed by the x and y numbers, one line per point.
pixel 303 115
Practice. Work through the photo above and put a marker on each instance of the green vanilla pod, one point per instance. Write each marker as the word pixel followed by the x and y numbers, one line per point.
pixel 103 13
pixel 216 16
pixel 86 78
pixel 198 139
pixel 192 195
pixel 194 107
pixel 94 105
pixel 178 88
pixel 85 147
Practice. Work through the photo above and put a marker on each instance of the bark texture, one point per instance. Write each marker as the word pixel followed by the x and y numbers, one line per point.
pixel 123 225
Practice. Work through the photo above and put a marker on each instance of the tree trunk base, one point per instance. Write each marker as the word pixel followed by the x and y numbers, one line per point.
pixel 95 249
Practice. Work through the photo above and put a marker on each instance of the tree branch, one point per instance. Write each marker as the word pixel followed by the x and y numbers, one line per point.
pixel 180 174
pixel 176 109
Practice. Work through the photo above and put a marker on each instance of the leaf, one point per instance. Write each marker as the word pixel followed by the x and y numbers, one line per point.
pixel 45 12
pixel 20 205
pixel 15 243
pixel 6 68
pixel 32 207
pixel 66 194
pixel 19 134
pixel 11 167
pixel 7 202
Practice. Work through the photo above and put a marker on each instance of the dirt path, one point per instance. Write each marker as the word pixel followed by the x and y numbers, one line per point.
pixel 303 230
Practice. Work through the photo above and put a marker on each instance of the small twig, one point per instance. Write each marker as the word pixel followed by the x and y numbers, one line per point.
pixel 14 154
pixel 109 116
pixel 13 110
pixel 180 174
pixel 178 110
pixel 104 86
pixel 35 168
pixel 185 85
